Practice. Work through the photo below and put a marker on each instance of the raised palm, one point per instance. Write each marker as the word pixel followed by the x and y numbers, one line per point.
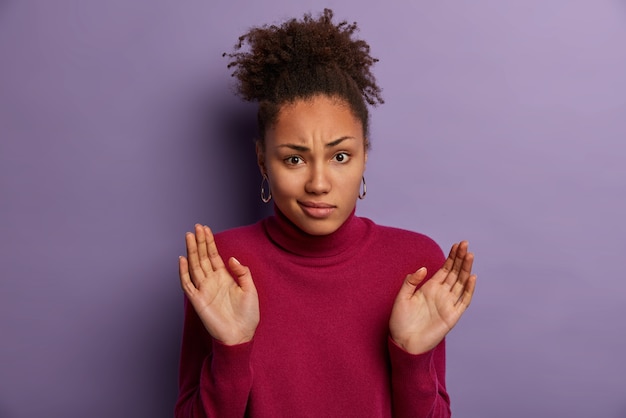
pixel 421 317
pixel 228 307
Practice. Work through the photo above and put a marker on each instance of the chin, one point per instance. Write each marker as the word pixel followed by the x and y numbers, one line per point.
pixel 311 225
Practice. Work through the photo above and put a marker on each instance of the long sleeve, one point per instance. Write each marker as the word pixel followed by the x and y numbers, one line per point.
pixel 321 347
pixel 214 380
pixel 418 383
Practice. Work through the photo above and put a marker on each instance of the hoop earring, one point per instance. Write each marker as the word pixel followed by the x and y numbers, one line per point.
pixel 362 195
pixel 264 198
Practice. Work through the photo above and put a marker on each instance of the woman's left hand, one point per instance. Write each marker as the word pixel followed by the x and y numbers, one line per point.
pixel 421 318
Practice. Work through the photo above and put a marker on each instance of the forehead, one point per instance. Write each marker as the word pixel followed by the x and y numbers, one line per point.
pixel 317 117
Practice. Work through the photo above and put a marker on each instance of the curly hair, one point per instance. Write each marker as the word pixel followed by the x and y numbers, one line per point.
pixel 301 59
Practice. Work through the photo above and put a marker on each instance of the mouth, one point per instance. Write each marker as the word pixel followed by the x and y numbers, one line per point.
pixel 317 210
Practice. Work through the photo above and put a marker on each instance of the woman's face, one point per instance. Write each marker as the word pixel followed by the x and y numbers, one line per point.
pixel 314 157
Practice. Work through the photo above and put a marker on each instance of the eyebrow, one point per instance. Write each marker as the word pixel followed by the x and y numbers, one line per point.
pixel 302 148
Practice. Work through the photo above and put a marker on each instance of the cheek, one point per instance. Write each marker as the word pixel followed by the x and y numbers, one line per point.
pixel 354 183
pixel 348 184
pixel 354 175
pixel 283 183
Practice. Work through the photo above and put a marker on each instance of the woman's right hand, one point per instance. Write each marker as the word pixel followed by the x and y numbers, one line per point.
pixel 228 307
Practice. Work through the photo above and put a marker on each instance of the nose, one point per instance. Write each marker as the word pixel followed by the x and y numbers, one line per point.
pixel 319 181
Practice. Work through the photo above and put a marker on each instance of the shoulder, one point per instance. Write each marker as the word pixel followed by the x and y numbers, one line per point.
pixel 403 238
pixel 237 239
pixel 397 243
pixel 240 233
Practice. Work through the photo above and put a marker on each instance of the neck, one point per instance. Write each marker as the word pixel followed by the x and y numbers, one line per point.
pixel 292 239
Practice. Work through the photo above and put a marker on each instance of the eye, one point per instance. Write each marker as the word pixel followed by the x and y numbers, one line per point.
pixel 342 157
pixel 293 160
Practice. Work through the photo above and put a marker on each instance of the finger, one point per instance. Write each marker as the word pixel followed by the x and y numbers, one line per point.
pixel 459 257
pixel 411 282
pixel 192 252
pixel 183 273
pixel 214 255
pixel 466 269
pixel 468 293
pixel 201 244
pixel 242 273
pixel 447 265
pixel 195 270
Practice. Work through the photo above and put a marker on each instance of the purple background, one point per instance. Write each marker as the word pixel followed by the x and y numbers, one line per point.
pixel 504 124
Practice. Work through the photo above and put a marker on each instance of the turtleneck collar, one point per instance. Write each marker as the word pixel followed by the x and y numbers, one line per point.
pixel 292 239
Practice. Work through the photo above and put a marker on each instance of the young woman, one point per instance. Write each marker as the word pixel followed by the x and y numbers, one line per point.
pixel 316 312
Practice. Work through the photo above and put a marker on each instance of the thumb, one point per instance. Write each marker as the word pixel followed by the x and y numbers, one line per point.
pixel 412 281
pixel 242 273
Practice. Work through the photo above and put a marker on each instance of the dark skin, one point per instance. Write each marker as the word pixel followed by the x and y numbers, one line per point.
pixel 226 299
pixel 228 305
pixel 421 318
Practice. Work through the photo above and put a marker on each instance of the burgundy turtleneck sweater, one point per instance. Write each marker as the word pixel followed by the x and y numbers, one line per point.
pixel 322 347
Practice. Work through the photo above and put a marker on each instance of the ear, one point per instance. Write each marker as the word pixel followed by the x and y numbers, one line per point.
pixel 260 156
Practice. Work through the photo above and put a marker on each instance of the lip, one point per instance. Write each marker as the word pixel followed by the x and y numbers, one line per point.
pixel 317 210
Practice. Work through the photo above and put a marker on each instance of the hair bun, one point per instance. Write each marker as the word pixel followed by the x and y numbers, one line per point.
pixel 267 55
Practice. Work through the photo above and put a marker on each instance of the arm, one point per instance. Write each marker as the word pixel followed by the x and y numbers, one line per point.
pixel 418 383
pixel 221 316
pixel 214 379
pixel 422 315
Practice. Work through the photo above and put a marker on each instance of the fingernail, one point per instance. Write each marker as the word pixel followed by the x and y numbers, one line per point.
pixel 236 261
pixel 419 270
